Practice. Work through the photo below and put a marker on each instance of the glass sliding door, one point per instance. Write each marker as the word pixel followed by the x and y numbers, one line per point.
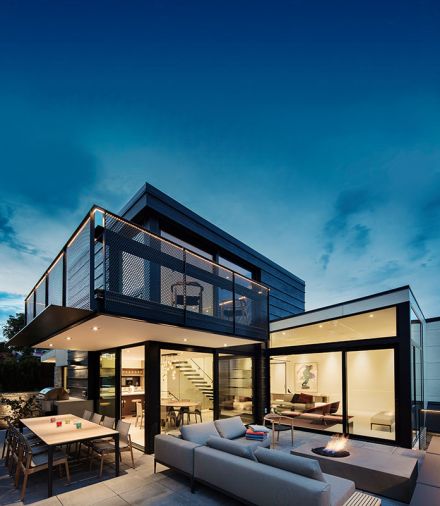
pixel 308 388
pixel 371 393
pixel 133 392
pixel 107 383
pixel 187 388
pixel 236 387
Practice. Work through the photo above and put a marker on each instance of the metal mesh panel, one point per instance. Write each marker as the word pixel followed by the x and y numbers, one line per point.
pixel 140 265
pixel 30 308
pixel 78 269
pixel 55 281
pixel 215 283
pixel 250 303
pixel 40 297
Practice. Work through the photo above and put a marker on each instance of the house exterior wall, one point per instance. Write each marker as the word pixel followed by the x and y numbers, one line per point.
pixel 156 211
pixel 432 360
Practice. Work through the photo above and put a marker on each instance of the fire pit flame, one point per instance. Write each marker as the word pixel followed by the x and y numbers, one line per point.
pixel 336 447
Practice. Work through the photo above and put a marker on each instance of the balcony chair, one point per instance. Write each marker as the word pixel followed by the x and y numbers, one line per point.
pixel 103 448
pixel 31 461
pixel 185 298
pixel 87 415
pixel 96 418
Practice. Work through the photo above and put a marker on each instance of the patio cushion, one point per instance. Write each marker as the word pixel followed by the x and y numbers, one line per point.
pixel 340 489
pixel 230 428
pixel 199 432
pixel 228 446
pixel 293 463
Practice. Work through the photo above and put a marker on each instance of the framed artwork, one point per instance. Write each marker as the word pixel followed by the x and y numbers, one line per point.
pixel 306 377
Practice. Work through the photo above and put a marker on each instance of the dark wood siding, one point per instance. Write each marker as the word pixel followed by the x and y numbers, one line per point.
pixel 150 205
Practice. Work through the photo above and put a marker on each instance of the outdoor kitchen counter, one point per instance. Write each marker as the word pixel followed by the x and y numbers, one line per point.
pixel 73 405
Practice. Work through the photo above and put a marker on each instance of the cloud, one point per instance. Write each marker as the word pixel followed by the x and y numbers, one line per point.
pixel 8 235
pixel 349 204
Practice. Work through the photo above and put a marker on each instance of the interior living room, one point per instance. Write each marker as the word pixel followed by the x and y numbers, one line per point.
pixel 345 368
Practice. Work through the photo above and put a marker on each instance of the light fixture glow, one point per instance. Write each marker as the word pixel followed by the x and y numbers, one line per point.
pixel 320 326
pixel 225 345
pixel 68 338
pixel 95 329
pixel 371 316
pixel 51 345
pixel 185 339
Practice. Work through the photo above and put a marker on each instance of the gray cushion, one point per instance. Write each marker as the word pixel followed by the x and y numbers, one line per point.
pixel 230 428
pixel 198 432
pixel 340 489
pixel 228 446
pixel 293 463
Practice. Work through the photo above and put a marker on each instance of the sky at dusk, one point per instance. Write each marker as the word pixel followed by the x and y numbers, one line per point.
pixel 307 129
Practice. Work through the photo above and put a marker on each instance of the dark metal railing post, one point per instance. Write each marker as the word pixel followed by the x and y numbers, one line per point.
pixel 233 302
pixel 92 259
pixel 64 280
pixel 184 286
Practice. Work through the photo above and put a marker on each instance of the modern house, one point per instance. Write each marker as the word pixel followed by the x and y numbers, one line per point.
pixel 156 306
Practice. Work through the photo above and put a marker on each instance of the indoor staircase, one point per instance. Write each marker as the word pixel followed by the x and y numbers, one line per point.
pixel 197 376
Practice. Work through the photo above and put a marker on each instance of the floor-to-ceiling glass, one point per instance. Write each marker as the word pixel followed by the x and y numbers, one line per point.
pixel 308 388
pixel 371 393
pixel 236 387
pixel 133 392
pixel 107 383
pixel 186 388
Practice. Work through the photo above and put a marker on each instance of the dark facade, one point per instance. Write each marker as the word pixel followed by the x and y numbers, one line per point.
pixel 158 212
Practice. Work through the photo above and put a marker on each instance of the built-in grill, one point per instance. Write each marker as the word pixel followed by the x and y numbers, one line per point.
pixel 47 397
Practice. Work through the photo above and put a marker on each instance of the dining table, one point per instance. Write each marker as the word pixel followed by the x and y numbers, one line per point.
pixel 64 430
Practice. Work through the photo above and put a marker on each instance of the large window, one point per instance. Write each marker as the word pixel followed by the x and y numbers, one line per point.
pixel 133 392
pixel 371 393
pixel 186 389
pixel 372 325
pixel 236 387
pixel 308 388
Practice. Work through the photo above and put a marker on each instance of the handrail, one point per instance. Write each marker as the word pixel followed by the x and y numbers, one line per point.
pixel 95 209
pixel 203 371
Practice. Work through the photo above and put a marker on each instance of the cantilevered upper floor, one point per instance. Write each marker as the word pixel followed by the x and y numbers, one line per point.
pixel 112 268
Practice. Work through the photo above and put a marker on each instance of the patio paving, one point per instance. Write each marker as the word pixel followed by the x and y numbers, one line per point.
pixel 140 486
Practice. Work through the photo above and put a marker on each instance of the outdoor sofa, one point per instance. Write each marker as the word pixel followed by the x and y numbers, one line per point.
pixel 218 455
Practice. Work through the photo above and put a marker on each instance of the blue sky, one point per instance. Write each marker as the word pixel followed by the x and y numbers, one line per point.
pixel 310 130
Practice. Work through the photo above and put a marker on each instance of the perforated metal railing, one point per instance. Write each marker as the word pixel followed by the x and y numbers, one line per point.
pixel 114 266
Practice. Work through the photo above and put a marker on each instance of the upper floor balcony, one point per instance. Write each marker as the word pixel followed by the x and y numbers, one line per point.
pixel 112 266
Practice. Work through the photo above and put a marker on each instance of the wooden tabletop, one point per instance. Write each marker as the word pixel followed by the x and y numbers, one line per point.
pixel 179 404
pixel 48 431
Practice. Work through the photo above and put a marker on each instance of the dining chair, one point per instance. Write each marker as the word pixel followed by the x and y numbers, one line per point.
pixel 103 448
pixel 31 461
pixel 108 422
pixel 96 418
pixel 140 412
pixel 197 412
pixel 87 415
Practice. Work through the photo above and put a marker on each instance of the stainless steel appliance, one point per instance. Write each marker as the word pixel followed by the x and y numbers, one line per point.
pixel 46 398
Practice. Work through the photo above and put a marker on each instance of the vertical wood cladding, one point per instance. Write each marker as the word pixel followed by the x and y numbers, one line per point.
pixel 151 205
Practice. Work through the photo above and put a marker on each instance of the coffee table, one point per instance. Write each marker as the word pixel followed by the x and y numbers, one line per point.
pixel 378 472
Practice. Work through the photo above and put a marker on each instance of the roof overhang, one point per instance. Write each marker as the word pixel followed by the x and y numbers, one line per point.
pixel 102 332
pixel 51 321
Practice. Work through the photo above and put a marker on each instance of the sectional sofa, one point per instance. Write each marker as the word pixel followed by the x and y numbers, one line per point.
pixel 217 454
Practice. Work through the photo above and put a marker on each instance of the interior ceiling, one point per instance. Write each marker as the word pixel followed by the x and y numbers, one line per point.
pixel 375 324
pixel 115 331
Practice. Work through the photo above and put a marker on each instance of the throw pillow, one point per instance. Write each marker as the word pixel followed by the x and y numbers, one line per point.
pixel 295 398
pixel 198 432
pixel 259 428
pixel 293 463
pixel 230 428
pixel 305 398
pixel 228 446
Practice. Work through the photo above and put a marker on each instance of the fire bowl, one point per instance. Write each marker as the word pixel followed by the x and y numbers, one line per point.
pixel 337 454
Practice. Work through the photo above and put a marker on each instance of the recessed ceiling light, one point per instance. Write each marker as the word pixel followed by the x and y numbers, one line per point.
pixel 68 338
pixel 371 316
pixel 225 345
pixel 185 339
pixel 283 333
pixel 51 345
pixel 320 326
pixel 95 329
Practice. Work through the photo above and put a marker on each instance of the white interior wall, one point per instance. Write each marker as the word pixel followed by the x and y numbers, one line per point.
pixel 370 378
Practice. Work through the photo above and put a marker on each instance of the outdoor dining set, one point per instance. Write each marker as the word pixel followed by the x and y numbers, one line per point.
pixel 56 441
